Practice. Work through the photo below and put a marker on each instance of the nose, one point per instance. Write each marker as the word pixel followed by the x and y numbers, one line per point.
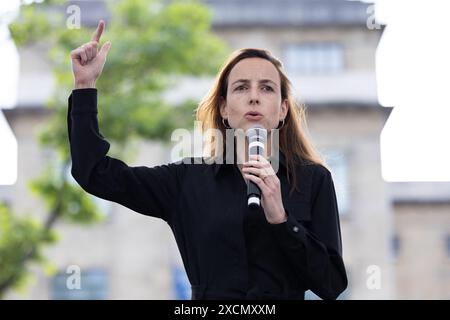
pixel 254 97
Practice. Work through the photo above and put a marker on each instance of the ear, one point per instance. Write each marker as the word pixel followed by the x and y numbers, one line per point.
pixel 223 108
pixel 284 109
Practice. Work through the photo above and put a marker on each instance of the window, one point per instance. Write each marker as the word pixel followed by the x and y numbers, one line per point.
pixel 314 58
pixel 93 286
pixel 447 240
pixel 181 285
pixel 395 245
pixel 337 161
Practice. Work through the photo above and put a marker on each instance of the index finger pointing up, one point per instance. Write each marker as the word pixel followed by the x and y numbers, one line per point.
pixel 98 32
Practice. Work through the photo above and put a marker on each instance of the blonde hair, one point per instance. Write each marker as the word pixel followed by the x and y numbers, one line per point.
pixel 293 141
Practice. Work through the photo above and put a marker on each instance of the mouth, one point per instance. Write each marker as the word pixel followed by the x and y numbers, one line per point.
pixel 253 115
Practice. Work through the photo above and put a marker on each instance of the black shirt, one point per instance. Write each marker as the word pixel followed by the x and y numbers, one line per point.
pixel 229 251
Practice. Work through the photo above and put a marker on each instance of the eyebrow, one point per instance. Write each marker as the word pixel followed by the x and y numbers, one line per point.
pixel 247 81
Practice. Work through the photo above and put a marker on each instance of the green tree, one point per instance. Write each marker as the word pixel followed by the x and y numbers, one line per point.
pixel 152 44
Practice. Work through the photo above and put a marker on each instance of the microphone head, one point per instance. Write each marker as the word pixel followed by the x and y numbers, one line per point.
pixel 257 137
pixel 257 133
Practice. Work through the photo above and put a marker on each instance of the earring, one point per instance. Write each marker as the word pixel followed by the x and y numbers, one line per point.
pixel 226 125
pixel 280 124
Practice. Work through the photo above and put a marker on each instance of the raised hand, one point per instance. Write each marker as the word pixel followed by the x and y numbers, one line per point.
pixel 88 61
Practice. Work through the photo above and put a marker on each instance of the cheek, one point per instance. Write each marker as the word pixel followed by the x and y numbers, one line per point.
pixel 235 106
pixel 236 99
pixel 273 116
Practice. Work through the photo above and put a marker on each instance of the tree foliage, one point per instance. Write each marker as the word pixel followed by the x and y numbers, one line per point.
pixel 153 43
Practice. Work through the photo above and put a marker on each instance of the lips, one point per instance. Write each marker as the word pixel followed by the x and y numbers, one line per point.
pixel 253 116
pixel 253 113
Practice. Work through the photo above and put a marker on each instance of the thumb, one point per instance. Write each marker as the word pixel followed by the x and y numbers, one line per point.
pixel 105 49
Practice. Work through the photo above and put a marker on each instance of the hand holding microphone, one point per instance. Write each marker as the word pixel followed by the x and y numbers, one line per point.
pixel 263 187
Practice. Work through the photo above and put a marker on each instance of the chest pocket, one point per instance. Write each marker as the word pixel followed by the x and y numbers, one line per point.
pixel 300 210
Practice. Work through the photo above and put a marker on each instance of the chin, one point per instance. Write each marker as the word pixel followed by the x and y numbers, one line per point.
pixel 250 124
pixel 254 124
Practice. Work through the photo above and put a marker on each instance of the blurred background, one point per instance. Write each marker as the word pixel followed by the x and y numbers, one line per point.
pixel 372 75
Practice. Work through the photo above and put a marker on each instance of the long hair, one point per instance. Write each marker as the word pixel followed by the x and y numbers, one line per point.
pixel 293 140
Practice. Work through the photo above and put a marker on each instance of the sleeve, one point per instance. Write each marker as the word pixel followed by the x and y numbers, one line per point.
pixel 149 191
pixel 315 248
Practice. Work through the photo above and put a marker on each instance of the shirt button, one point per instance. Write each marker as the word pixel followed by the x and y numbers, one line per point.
pixel 295 229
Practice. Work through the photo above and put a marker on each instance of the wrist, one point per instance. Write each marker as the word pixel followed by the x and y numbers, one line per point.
pixel 282 218
pixel 84 84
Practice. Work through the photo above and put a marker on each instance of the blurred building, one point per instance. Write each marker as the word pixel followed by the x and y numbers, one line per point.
pixel 397 233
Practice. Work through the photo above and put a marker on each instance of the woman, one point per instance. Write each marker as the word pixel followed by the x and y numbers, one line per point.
pixel 292 243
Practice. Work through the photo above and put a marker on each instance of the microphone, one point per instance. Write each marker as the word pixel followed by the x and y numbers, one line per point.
pixel 257 137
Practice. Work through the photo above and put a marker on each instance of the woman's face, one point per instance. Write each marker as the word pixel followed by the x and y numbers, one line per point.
pixel 253 95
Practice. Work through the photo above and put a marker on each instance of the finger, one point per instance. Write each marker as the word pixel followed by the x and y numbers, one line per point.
pixel 261 162
pixel 78 54
pixel 83 56
pixel 91 48
pixel 258 157
pixel 98 32
pixel 95 47
pixel 253 170
pixel 105 49
pixel 260 172
pixel 76 60
pixel 75 54
pixel 92 51
pixel 257 164
pixel 88 51
pixel 258 181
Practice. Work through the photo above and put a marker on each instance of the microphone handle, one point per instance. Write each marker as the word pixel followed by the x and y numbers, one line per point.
pixel 253 191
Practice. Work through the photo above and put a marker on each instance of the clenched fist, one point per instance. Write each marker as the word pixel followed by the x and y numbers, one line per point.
pixel 88 61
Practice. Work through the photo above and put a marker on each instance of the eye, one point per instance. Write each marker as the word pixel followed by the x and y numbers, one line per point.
pixel 268 88
pixel 239 88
